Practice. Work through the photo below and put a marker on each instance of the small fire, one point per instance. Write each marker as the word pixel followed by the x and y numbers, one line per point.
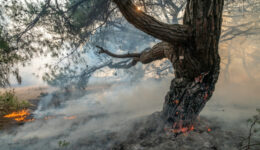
pixel 19 116
pixel 70 117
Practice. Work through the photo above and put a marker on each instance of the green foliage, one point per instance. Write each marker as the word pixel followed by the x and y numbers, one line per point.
pixel 9 102
pixel 63 144
pixel 45 28
pixel 8 58
pixel 4 45
pixel 87 12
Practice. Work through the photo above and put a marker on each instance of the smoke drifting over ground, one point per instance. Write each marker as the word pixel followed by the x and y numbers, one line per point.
pixel 102 112
pixel 90 122
pixel 75 119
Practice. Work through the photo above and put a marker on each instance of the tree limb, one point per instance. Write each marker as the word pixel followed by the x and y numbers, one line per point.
pixel 33 23
pixel 157 52
pixel 166 32
pixel 128 55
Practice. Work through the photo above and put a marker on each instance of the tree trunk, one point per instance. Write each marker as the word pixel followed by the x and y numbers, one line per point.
pixel 193 50
pixel 196 64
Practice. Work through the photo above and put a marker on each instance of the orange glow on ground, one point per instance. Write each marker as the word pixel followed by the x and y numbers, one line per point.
pixel 182 129
pixel 70 117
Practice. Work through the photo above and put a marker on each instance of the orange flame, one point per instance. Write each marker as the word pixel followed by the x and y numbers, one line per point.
pixel 70 117
pixel 19 116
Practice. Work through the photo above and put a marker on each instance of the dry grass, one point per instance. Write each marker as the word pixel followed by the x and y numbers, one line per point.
pixel 29 92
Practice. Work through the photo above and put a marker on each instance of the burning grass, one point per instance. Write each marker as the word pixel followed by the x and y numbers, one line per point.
pixel 9 103
pixel 12 109
pixel 20 116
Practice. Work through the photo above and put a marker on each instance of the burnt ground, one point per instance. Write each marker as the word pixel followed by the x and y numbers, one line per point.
pixel 149 134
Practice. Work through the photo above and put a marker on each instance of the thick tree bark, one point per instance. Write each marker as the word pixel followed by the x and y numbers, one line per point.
pixel 193 50
pixel 197 73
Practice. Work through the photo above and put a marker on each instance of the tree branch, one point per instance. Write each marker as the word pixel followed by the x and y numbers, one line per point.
pixel 166 32
pixel 128 55
pixel 33 23
pixel 157 52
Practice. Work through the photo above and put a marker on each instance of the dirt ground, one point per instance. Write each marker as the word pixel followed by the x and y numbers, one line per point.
pixel 28 92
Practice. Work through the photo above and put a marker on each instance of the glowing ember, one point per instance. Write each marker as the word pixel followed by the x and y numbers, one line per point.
pixel 206 96
pixel 19 116
pixel 139 8
pixel 192 128
pixel 181 129
pixel 176 101
pixel 70 117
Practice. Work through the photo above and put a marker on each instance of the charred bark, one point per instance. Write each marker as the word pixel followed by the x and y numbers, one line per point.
pixel 193 50
pixel 198 71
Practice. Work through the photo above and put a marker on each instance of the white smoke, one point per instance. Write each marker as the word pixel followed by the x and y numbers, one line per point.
pixel 108 110
pixel 95 112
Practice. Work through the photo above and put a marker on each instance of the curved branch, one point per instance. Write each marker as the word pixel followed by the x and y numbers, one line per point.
pixel 128 55
pixel 166 32
pixel 157 52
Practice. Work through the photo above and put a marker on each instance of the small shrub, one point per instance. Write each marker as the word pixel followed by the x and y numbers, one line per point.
pixel 9 102
pixel 63 144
